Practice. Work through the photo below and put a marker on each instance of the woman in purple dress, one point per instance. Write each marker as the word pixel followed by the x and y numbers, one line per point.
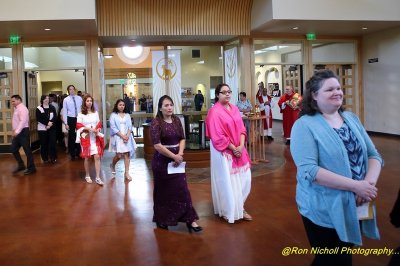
pixel 172 201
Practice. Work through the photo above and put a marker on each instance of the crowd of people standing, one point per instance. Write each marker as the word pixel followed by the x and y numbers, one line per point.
pixel 329 190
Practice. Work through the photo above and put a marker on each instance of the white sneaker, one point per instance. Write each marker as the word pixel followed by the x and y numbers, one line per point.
pixel 99 182
pixel 88 179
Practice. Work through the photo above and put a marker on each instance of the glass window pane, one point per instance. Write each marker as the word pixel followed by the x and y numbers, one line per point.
pixel 281 52
pixel 202 69
pixel 333 53
pixel 54 56
pixel 5 58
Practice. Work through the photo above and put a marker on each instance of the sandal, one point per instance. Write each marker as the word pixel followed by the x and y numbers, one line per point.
pixel 246 216
pixel 112 168
pixel 99 182
pixel 88 179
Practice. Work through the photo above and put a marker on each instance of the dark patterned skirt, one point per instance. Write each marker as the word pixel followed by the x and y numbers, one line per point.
pixel 172 200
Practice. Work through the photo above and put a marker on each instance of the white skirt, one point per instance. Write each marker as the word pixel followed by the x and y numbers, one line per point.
pixel 229 191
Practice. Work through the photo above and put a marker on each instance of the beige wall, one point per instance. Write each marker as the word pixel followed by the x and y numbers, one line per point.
pixel 16 10
pixel 382 81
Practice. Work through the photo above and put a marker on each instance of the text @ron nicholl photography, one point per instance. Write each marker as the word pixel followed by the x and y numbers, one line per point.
pixel 287 251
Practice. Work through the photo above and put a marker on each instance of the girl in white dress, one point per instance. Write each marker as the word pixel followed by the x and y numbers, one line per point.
pixel 121 142
pixel 89 136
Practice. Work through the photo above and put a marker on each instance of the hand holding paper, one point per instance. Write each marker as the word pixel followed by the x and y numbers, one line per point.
pixel 172 169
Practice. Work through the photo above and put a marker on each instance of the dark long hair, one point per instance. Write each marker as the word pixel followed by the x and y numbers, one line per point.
pixel 84 109
pixel 218 90
pixel 159 114
pixel 115 109
pixel 308 105
pixel 42 99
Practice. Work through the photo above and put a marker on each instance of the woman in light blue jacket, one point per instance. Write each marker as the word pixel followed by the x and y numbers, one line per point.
pixel 121 142
pixel 337 171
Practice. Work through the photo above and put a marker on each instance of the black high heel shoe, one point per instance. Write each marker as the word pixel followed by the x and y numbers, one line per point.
pixel 191 227
pixel 162 226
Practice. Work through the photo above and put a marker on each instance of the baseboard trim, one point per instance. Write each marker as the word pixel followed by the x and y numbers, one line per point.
pixel 382 134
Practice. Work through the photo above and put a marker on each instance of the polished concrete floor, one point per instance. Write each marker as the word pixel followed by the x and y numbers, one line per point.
pixel 54 218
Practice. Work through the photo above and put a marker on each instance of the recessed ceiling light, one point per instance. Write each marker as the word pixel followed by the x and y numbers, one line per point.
pixel 295 28
pixel 47 29
pixel 364 28
pixel 133 40
pixel 108 56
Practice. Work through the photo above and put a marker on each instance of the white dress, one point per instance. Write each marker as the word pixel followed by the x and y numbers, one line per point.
pixel 90 120
pixel 229 190
pixel 121 146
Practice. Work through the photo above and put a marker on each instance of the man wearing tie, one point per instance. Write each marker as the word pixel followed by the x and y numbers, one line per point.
pixel 71 107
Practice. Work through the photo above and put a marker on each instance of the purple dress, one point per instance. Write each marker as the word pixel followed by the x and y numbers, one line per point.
pixel 172 201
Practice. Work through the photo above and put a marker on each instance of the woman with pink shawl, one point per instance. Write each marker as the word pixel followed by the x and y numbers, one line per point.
pixel 230 162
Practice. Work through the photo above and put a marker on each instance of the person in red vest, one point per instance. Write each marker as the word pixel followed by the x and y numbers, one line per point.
pixel 289 105
pixel 265 105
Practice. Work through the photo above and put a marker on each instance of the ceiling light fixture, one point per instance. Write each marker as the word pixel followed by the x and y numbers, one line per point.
pixel 47 29
pixel 108 56
pixel 295 28
pixel 364 28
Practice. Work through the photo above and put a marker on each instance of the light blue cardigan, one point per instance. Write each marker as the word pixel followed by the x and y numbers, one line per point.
pixel 115 127
pixel 314 144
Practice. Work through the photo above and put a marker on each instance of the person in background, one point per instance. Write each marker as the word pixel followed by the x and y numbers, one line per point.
pixel 149 102
pixel 127 102
pixel 230 162
pixel 80 94
pixel 143 103
pixel 289 106
pixel 133 102
pixel 338 168
pixel 395 220
pixel 71 108
pixel 198 100
pixel 64 132
pixel 53 99
pixel 172 200
pixel 46 116
pixel 90 138
pixel 244 106
pixel 21 136
pixel 121 139
pixel 265 103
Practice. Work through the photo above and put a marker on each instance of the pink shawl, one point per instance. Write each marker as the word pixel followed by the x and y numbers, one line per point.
pixel 224 127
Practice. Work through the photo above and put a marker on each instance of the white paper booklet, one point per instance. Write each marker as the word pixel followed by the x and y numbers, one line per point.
pixel 176 170
pixel 365 211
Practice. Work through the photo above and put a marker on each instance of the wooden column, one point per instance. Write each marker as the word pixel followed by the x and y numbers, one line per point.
pixel 247 69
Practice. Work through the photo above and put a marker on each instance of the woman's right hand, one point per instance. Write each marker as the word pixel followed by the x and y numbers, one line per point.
pixel 365 190
pixel 178 159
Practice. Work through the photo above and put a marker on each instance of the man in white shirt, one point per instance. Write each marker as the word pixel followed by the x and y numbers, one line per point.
pixel 72 105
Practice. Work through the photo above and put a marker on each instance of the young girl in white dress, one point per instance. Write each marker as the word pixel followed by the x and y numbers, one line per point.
pixel 121 142
pixel 88 127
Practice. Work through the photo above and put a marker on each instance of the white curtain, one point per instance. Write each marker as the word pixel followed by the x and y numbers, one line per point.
pixel 167 78
pixel 231 73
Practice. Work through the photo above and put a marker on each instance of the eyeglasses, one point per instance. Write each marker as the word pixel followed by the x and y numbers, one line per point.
pixel 226 92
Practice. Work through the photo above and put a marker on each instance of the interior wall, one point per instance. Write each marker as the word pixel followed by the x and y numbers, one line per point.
pixel 381 81
pixel 67 77
pixel 47 10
